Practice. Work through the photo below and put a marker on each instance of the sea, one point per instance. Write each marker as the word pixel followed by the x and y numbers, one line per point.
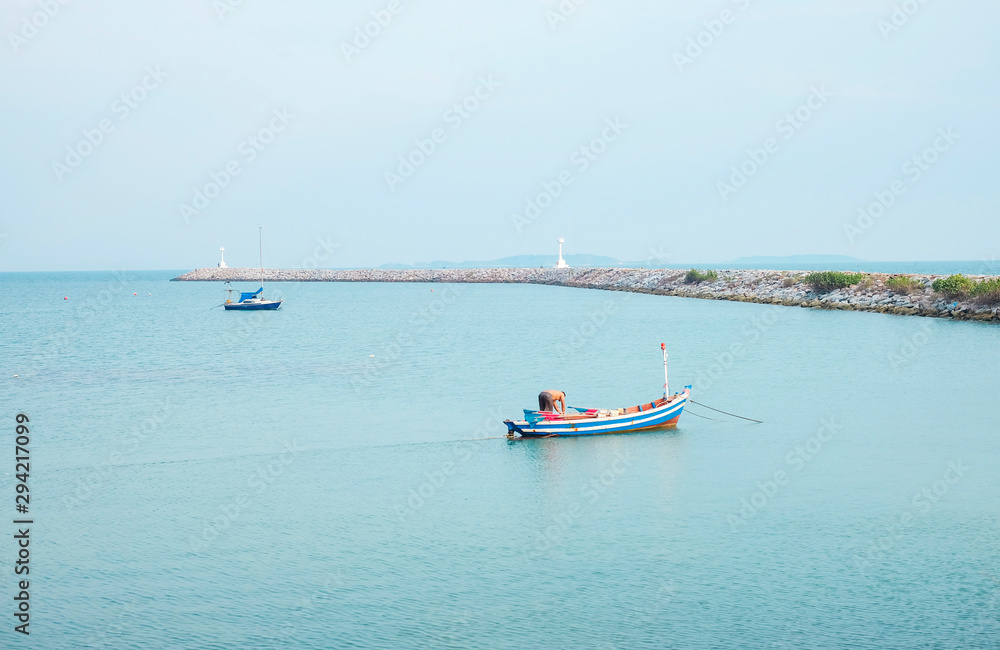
pixel 335 474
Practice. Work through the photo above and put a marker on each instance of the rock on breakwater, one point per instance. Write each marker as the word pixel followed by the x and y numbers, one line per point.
pixel 761 286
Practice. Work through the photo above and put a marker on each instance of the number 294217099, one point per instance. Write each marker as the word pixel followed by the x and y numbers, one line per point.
pixel 22 467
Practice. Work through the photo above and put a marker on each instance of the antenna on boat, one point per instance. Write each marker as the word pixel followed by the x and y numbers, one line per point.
pixel 666 381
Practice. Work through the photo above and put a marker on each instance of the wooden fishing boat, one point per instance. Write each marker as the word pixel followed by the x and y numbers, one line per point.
pixel 660 414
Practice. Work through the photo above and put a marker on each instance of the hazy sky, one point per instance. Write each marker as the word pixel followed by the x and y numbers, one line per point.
pixel 625 132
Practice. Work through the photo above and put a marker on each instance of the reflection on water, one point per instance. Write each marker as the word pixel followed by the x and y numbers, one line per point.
pixel 570 481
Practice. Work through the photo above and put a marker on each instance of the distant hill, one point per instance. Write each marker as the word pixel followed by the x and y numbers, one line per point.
pixel 514 262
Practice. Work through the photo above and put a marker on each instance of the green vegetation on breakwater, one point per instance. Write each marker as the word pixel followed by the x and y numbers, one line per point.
pixel 903 285
pixel 829 280
pixel 695 276
pixel 987 292
pixel 959 287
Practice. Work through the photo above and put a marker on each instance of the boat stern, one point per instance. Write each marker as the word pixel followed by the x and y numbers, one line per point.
pixel 513 428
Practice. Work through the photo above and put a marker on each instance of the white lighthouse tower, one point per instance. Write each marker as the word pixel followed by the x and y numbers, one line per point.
pixel 561 264
pixel 222 260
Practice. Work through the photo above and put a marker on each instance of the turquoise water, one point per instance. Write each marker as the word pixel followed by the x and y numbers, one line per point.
pixel 203 478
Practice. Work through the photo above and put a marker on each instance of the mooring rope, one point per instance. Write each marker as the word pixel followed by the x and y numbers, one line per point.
pixel 726 413
pixel 704 417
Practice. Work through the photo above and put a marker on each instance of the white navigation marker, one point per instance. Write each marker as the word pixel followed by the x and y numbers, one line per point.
pixel 222 261
pixel 561 264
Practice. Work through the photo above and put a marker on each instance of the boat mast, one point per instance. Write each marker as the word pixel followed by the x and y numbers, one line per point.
pixel 666 382
pixel 260 248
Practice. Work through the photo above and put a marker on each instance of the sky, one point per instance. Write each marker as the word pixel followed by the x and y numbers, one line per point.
pixel 147 135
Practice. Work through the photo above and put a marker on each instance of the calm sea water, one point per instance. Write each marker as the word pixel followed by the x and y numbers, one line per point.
pixel 202 478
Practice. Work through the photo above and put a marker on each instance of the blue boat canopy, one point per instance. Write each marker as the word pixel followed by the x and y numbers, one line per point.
pixel 246 296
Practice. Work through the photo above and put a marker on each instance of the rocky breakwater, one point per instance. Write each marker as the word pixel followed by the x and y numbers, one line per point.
pixel 913 295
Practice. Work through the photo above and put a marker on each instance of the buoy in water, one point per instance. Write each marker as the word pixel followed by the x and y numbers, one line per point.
pixel 134 293
pixel 65 297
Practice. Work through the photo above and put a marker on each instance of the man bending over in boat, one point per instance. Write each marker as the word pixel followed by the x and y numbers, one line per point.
pixel 547 400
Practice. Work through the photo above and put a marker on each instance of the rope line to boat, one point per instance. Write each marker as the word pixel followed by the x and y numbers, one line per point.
pixel 725 412
pixel 704 417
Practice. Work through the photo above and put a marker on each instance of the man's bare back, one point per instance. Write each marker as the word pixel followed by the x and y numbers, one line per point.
pixel 547 400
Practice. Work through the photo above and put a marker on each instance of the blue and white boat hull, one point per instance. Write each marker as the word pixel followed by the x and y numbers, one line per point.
pixel 252 305
pixel 660 414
